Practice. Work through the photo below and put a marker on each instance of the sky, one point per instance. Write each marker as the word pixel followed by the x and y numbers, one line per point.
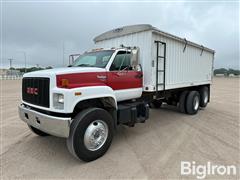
pixel 49 31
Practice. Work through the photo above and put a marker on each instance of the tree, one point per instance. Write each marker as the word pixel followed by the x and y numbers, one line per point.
pixel 221 71
pixel 226 72
pixel 48 67
pixel 233 71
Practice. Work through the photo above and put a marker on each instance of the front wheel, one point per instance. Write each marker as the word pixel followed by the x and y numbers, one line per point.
pixel 91 134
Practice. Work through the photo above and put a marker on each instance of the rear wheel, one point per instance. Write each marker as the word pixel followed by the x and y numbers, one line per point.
pixel 91 134
pixel 37 131
pixel 192 103
pixel 182 101
pixel 204 96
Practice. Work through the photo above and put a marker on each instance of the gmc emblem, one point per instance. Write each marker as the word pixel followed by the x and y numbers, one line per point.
pixel 33 91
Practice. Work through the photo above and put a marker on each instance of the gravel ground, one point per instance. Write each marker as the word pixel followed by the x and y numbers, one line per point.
pixel 152 150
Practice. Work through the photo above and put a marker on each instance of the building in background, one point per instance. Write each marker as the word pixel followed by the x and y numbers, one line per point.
pixel 3 72
pixel 7 74
pixel 13 72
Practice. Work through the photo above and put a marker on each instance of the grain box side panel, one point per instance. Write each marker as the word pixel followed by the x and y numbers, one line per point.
pixel 186 68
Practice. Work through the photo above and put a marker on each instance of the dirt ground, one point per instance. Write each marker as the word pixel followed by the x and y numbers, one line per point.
pixel 153 150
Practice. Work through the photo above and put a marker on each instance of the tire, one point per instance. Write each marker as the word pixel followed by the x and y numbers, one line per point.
pixel 85 126
pixel 204 96
pixel 155 104
pixel 182 101
pixel 192 102
pixel 37 131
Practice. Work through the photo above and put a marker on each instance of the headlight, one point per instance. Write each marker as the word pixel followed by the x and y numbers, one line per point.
pixel 60 98
pixel 58 101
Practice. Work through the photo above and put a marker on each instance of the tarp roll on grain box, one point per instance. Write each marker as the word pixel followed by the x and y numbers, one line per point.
pixel 167 60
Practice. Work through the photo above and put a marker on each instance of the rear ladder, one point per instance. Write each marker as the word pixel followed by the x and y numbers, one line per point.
pixel 160 58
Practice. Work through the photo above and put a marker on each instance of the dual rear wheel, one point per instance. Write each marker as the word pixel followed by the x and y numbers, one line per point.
pixel 190 101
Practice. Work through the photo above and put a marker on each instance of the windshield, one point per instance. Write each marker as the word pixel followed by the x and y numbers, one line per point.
pixel 93 59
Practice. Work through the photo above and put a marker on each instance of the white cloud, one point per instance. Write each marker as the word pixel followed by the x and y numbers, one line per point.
pixel 40 28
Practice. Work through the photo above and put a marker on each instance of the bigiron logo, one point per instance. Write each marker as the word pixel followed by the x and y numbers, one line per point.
pixel 201 171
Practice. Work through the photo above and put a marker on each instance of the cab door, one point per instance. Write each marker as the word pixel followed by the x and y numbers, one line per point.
pixel 123 79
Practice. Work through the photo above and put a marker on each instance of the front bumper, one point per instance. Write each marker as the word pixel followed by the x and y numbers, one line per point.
pixel 55 126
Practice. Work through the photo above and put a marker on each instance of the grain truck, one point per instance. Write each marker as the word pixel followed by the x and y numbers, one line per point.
pixel 130 69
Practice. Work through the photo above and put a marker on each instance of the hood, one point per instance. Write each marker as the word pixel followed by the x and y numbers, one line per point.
pixel 66 70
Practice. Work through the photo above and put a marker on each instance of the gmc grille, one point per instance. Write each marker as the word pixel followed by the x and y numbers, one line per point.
pixel 41 86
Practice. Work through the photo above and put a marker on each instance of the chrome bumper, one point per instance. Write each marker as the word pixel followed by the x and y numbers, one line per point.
pixel 55 126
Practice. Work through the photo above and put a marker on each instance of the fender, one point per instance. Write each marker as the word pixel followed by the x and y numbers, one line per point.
pixel 88 92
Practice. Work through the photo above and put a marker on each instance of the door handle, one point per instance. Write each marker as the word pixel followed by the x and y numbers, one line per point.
pixel 121 73
pixel 139 76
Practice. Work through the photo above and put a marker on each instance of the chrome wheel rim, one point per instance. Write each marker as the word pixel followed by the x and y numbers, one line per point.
pixel 196 103
pixel 95 135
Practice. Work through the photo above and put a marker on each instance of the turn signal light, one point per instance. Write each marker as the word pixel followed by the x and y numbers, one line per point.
pixel 78 93
pixel 65 83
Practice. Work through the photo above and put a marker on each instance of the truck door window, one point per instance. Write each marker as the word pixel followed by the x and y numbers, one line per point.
pixel 121 61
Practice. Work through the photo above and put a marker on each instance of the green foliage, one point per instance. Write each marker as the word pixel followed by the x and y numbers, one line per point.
pixel 234 71
pixel 226 72
pixel 220 71
pixel 48 67
pixel 22 70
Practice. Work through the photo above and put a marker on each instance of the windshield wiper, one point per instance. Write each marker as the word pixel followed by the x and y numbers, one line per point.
pixel 85 65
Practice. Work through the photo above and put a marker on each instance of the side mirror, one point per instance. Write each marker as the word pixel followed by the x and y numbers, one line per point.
pixel 138 67
pixel 73 57
pixel 135 58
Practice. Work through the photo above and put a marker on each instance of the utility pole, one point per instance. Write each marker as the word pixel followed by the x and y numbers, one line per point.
pixel 10 61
